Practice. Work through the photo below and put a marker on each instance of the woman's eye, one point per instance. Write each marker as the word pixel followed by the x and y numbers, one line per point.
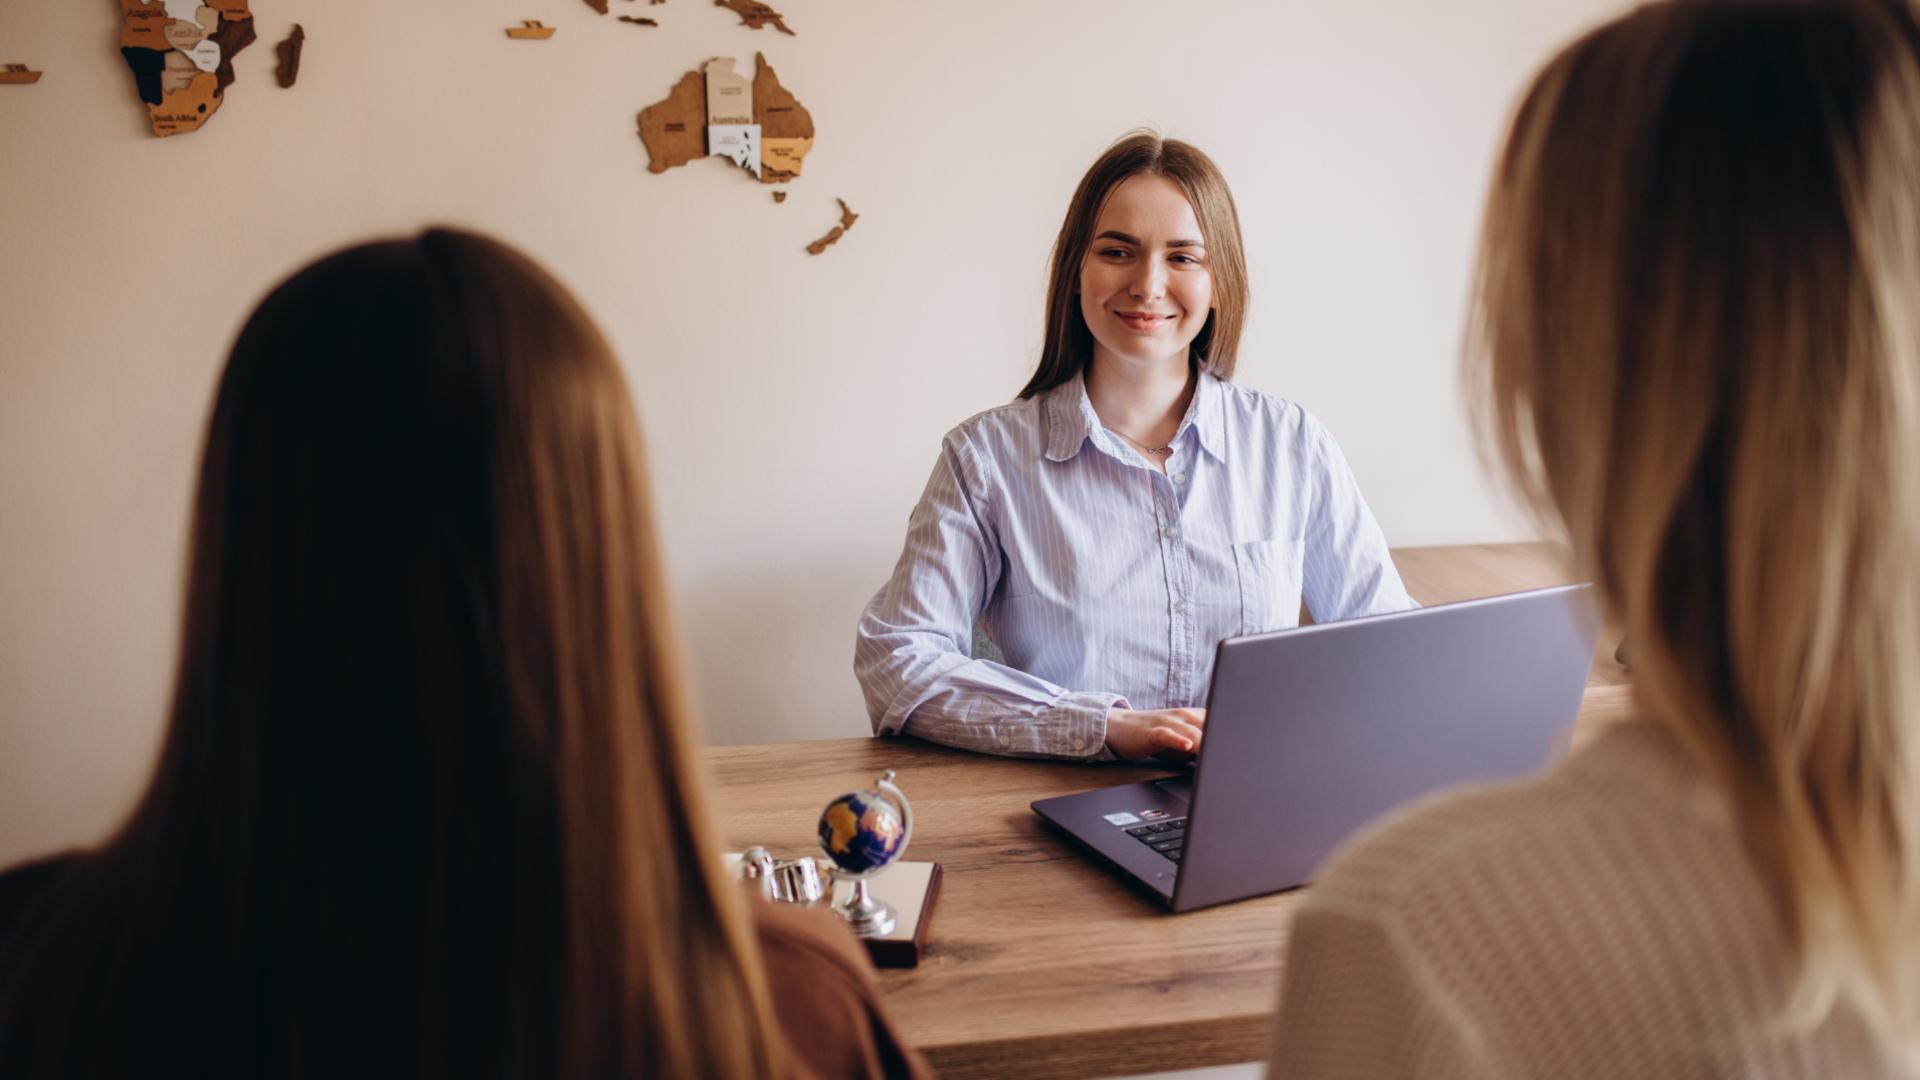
pixel 1115 253
pixel 1188 259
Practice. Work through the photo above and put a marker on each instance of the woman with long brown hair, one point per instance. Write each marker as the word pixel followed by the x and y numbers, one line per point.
pixel 1129 510
pixel 428 803
pixel 1698 345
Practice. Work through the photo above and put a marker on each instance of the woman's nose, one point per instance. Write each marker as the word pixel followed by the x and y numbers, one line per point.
pixel 1150 283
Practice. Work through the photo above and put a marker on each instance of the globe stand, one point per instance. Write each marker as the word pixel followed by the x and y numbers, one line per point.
pixel 866 916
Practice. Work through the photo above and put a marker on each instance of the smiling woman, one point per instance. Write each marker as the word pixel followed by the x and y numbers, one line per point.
pixel 1162 187
pixel 1129 510
pixel 1146 293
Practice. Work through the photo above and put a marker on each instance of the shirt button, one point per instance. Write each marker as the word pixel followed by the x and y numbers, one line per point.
pixel 1006 740
pixel 1179 478
pixel 1179 607
pixel 1079 743
pixel 1171 533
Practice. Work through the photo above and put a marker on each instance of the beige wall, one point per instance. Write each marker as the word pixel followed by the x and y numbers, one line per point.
pixel 792 430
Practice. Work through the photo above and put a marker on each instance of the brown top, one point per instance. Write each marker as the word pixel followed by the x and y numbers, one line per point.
pixel 826 1000
pixel 824 995
pixel 20 884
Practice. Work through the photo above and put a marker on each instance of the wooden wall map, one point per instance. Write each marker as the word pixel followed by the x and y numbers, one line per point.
pixel 601 5
pixel 289 52
pixel 181 53
pixel 847 218
pixel 756 124
pixel 755 15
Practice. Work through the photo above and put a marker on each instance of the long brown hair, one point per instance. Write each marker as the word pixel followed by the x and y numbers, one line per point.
pixel 1068 347
pixel 1698 320
pixel 429 802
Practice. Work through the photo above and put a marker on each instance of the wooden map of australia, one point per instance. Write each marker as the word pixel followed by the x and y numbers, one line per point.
pixel 756 124
pixel 181 53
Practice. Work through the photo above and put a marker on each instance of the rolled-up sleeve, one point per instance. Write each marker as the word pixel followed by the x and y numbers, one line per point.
pixel 912 652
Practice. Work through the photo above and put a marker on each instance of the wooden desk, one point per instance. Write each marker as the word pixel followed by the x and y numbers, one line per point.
pixel 1039 963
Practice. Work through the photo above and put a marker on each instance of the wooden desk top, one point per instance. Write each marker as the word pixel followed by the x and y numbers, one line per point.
pixel 1039 963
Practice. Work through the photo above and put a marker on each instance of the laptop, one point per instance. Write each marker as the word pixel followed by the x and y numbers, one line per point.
pixel 1314 732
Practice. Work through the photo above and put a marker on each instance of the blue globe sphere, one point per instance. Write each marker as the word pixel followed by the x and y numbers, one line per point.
pixel 861 833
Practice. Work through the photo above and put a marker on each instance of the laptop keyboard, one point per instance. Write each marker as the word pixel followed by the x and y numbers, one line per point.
pixel 1165 837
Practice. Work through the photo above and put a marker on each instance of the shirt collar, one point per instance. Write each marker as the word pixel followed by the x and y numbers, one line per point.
pixel 1071 421
pixel 1208 416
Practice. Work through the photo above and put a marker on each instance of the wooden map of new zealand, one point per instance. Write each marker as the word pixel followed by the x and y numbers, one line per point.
pixel 181 53
pixel 756 124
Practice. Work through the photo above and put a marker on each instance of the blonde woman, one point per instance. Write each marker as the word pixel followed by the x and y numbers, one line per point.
pixel 429 803
pixel 1699 313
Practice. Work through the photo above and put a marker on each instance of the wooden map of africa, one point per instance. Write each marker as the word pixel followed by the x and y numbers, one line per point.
pixel 181 53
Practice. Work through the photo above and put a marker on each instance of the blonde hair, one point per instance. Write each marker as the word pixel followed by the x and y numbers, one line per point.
pixel 430 801
pixel 1697 332
pixel 1068 346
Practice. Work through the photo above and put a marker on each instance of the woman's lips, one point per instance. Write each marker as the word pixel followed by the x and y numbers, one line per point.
pixel 1142 321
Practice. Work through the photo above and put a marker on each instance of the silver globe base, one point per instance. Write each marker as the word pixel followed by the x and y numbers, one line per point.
pixel 866 916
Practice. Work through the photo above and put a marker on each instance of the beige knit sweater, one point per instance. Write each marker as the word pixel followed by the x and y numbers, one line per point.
pixel 1599 920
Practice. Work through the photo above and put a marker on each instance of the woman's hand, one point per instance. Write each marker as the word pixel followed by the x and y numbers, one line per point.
pixel 1173 734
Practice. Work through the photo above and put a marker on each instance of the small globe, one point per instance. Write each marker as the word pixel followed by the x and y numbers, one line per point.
pixel 861 832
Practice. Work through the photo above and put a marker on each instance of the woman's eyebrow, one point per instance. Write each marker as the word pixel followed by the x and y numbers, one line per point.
pixel 1115 234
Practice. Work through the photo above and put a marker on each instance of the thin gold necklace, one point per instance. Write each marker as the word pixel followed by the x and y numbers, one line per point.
pixel 1161 451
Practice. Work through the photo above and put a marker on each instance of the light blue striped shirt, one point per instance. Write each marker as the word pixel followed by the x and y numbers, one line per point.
pixel 1103 581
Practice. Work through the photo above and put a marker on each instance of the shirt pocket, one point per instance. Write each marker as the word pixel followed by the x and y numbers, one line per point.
pixel 1269 572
